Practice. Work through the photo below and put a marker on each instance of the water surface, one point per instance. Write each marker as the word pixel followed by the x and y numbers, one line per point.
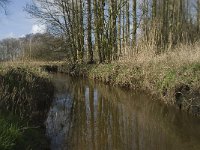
pixel 93 116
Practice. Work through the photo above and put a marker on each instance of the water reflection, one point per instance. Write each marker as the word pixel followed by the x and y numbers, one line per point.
pixel 88 116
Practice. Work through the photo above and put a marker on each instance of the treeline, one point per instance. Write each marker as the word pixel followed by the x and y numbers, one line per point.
pixel 9 49
pixel 114 28
pixel 33 46
pixel 3 4
pixel 43 47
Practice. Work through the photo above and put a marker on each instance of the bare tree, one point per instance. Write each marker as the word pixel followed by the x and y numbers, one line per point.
pixel 97 18
pixel 198 15
pixel 113 25
pixel 119 27
pixel 63 18
pixel 134 34
pixel 11 48
pixel 3 4
pixel 89 39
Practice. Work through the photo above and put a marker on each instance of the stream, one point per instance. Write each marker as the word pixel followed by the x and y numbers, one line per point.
pixel 93 116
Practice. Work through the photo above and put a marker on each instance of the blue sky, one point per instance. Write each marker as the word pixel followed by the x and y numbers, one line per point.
pixel 17 23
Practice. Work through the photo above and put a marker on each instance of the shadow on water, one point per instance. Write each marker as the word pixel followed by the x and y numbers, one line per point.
pixel 89 116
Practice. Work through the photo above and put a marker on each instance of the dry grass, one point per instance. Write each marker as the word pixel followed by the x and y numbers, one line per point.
pixel 165 74
pixel 33 66
pixel 29 64
pixel 176 57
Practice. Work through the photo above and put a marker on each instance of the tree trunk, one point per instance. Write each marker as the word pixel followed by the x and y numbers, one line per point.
pixel 89 39
pixel 134 34
pixel 119 27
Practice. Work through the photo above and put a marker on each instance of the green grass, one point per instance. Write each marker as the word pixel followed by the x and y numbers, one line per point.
pixel 9 133
pixel 15 134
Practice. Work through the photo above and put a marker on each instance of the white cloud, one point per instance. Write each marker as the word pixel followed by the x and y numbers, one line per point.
pixel 21 36
pixel 10 35
pixel 38 28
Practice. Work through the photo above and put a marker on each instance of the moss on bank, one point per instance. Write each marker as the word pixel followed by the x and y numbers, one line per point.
pixel 174 85
pixel 25 96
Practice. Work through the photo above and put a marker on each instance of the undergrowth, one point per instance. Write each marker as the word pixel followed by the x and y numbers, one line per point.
pixel 26 93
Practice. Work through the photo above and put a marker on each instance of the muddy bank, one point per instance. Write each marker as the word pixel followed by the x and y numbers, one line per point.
pixel 27 97
pixel 50 68
pixel 174 86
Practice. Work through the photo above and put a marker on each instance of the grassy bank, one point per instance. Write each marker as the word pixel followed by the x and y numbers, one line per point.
pixel 173 77
pixel 25 97
pixel 16 134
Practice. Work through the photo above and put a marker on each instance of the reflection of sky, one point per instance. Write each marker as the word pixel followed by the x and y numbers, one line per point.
pixel 17 23
pixel 87 100
pixel 58 122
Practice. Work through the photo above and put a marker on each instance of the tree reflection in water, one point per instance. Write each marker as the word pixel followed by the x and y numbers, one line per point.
pixel 92 116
